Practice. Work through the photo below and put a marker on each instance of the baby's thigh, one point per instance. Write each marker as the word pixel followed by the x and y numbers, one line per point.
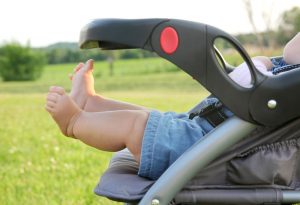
pixel 167 136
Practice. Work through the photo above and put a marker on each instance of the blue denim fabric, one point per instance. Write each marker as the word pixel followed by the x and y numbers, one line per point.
pixel 278 63
pixel 167 136
pixel 280 66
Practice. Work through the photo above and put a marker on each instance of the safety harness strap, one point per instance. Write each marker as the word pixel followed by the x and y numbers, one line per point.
pixel 213 113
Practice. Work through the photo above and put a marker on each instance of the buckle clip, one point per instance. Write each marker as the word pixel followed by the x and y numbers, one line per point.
pixel 213 113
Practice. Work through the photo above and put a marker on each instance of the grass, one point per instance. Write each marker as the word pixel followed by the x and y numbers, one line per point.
pixel 39 165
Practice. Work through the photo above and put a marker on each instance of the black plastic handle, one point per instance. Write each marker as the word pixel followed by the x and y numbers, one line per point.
pixel 190 46
pixel 196 56
pixel 110 34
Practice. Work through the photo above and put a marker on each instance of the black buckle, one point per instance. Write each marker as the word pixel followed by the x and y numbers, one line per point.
pixel 213 113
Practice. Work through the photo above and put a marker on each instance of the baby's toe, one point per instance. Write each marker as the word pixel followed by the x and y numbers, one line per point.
pixel 49 108
pixel 70 76
pixel 78 67
pixel 53 97
pixel 89 65
pixel 57 89
pixel 51 104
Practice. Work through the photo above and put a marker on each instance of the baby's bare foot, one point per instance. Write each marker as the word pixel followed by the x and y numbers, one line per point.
pixel 82 83
pixel 62 109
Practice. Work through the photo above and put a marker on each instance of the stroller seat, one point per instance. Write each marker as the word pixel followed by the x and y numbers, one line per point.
pixel 258 170
pixel 251 158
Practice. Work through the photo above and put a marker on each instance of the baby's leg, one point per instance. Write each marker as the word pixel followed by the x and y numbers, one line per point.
pixel 112 130
pixel 265 61
pixel 84 95
pixel 108 131
pixel 291 52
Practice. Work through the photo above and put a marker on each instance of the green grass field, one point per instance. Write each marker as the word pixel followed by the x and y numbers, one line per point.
pixel 41 166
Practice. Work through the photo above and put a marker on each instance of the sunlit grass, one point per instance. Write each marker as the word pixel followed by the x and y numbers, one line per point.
pixel 41 166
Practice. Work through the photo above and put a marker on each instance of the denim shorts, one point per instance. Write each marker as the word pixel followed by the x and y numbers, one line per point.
pixel 278 65
pixel 166 136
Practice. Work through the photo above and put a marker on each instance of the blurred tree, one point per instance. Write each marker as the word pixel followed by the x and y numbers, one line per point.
pixel 111 57
pixel 250 13
pixel 131 53
pixel 265 38
pixel 70 53
pixel 18 63
pixel 289 25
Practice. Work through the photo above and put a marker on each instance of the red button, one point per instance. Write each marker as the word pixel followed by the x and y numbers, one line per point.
pixel 169 40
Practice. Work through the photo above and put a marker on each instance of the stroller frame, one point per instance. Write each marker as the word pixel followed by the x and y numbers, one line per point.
pixel 205 151
pixel 147 34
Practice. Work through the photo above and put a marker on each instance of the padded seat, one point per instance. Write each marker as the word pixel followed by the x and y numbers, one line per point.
pixel 266 161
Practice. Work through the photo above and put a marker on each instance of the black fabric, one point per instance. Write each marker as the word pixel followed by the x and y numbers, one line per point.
pixel 267 159
pixel 277 164
pixel 216 174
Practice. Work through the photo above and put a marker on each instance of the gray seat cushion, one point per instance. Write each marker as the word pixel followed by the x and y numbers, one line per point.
pixel 121 181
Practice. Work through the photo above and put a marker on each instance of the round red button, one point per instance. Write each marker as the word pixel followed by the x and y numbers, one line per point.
pixel 169 40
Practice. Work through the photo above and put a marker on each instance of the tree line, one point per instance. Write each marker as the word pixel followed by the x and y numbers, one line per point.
pixel 19 62
pixel 69 52
pixel 288 26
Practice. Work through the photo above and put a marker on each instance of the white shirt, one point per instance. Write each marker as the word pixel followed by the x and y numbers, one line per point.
pixel 241 74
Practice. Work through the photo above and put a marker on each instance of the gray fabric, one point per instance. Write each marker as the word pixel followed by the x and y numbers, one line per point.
pixel 266 159
pixel 121 182
pixel 275 160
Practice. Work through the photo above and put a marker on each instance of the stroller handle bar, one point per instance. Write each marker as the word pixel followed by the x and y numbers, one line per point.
pixel 270 101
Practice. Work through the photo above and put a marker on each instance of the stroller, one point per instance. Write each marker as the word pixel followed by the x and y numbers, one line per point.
pixel 251 158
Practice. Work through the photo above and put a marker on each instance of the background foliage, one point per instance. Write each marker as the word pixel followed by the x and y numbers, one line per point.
pixel 39 166
pixel 18 63
pixel 288 25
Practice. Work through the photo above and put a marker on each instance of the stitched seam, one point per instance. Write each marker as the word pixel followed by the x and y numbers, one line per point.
pixel 276 145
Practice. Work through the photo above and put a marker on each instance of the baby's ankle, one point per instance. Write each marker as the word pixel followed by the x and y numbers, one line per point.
pixel 79 100
pixel 71 124
pixel 92 102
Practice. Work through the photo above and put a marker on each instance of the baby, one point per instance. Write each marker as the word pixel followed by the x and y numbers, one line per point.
pixel 241 74
pixel 155 139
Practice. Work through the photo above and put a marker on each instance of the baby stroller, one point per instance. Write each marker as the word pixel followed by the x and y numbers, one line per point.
pixel 251 158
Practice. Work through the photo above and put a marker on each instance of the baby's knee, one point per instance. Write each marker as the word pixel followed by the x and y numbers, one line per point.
pixel 291 56
pixel 291 51
pixel 135 136
pixel 264 60
pixel 140 121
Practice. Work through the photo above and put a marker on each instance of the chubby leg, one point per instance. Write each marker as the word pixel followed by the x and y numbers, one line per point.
pixel 265 61
pixel 291 51
pixel 84 95
pixel 107 131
